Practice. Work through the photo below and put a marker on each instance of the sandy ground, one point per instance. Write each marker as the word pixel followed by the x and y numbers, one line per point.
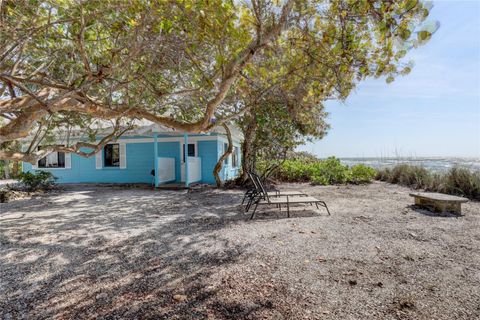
pixel 132 253
pixel 5 182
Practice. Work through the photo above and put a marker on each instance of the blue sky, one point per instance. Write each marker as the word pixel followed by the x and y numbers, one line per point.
pixel 433 111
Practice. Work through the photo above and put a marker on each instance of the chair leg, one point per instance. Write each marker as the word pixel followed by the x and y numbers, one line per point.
pixel 325 205
pixel 244 197
pixel 249 204
pixel 248 194
pixel 254 210
pixel 288 210
pixel 316 203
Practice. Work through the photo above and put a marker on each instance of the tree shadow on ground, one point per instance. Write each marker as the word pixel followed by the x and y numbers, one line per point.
pixel 95 253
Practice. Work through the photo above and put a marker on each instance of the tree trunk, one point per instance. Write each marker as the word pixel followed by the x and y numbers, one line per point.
pixel 6 169
pixel 16 169
pixel 247 154
pixel 224 156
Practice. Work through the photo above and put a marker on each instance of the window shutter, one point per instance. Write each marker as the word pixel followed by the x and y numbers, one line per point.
pixel 123 155
pixel 68 161
pixel 98 159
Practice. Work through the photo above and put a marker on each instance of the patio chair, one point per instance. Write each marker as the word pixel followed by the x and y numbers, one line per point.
pixel 251 191
pixel 256 190
pixel 264 199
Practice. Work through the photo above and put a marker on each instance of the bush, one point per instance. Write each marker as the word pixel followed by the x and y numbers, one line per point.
pixel 459 181
pixel 362 174
pixel 39 180
pixel 456 181
pixel 330 171
pixel 323 172
pixel 413 176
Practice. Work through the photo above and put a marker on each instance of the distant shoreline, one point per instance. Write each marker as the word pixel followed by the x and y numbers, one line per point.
pixel 438 164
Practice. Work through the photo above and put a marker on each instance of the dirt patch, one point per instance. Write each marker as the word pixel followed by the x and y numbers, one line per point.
pixel 118 253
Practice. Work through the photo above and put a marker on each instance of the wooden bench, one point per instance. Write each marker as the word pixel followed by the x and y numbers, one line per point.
pixel 439 202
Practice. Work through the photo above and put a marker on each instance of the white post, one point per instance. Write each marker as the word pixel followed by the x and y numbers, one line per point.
pixel 155 157
pixel 185 150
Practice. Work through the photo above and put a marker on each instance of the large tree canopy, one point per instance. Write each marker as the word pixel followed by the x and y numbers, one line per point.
pixel 67 64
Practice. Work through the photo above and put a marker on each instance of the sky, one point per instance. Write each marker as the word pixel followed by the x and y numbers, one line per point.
pixel 433 111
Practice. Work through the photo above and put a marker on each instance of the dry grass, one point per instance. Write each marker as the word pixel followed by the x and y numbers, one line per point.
pixel 456 181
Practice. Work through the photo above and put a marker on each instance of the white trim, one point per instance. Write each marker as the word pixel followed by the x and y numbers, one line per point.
pixel 99 159
pixel 170 139
pixel 122 150
pixel 183 149
pixel 68 160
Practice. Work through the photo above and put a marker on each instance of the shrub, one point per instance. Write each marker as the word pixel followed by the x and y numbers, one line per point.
pixel 323 172
pixel 294 171
pixel 362 174
pixel 462 182
pixel 330 171
pixel 456 181
pixel 412 176
pixel 38 180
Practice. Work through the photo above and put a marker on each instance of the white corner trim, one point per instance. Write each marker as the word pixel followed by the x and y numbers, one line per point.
pixel 122 146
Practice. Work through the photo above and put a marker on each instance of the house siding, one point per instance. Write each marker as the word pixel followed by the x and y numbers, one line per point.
pixel 228 172
pixel 208 151
pixel 140 162
pixel 139 165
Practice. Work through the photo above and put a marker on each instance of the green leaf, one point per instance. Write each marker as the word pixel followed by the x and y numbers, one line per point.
pixel 424 35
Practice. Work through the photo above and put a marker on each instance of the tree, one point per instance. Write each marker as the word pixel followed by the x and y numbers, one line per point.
pixel 223 157
pixel 69 64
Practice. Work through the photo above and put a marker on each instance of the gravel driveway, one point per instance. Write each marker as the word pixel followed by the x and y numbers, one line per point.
pixel 112 252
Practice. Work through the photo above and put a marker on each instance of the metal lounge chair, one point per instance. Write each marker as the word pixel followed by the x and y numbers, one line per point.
pixel 250 191
pixel 264 199
pixel 255 191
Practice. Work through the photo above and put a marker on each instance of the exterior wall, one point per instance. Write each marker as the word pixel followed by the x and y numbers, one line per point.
pixel 140 161
pixel 207 150
pixel 139 165
pixel 228 171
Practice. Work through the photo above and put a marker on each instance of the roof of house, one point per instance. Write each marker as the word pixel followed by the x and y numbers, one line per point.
pixel 156 128
pixel 142 128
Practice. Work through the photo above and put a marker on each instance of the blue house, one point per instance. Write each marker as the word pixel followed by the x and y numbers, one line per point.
pixel 150 154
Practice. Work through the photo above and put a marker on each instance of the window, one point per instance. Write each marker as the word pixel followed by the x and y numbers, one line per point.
pixel 235 157
pixel 225 148
pixel 53 160
pixel 191 150
pixel 111 155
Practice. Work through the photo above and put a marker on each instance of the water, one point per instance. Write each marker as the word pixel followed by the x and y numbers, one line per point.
pixel 433 164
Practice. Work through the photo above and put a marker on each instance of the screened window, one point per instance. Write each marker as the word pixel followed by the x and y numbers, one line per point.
pixel 53 160
pixel 191 150
pixel 111 155
pixel 235 157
